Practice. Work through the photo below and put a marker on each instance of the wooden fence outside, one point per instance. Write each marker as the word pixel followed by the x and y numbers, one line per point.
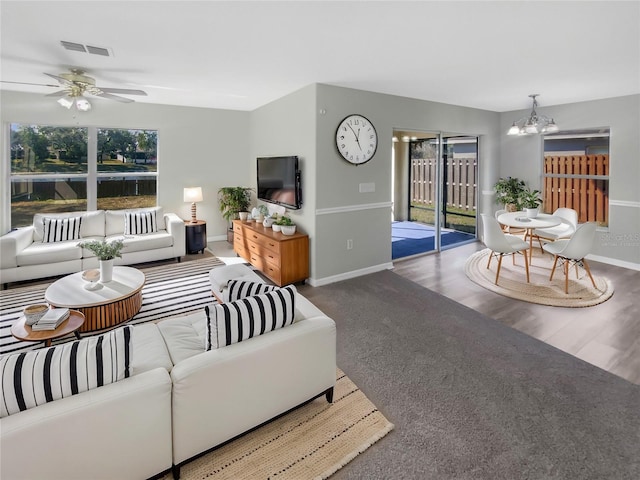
pixel 460 183
pixel 588 196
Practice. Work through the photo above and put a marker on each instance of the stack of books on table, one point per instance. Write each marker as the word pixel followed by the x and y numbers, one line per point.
pixel 51 320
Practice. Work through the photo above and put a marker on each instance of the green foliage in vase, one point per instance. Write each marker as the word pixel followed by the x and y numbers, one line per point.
pixel 104 250
pixel 284 221
pixel 529 198
pixel 508 190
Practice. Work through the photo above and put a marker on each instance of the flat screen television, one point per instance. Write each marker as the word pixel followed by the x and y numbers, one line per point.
pixel 279 181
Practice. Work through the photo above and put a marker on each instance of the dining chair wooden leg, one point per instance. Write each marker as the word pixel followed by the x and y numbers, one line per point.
pixel 499 265
pixel 566 276
pixel 526 264
pixel 555 262
pixel 490 257
pixel 586 267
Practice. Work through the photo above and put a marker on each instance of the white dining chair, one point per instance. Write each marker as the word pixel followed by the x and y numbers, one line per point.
pixel 572 251
pixel 564 230
pixel 502 244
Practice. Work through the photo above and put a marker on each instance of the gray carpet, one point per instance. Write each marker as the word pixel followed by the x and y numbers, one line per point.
pixel 472 398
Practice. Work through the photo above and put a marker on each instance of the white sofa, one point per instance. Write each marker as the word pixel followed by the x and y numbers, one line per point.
pixel 121 430
pixel 180 402
pixel 24 255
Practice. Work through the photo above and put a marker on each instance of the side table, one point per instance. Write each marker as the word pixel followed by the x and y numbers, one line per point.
pixel 71 325
pixel 196 236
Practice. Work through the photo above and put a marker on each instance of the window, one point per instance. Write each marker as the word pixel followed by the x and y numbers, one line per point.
pixel 53 171
pixel 576 174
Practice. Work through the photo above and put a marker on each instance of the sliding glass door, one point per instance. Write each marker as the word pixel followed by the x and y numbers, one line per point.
pixel 439 207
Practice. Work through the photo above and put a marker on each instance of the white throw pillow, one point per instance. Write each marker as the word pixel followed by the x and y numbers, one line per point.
pixel 33 378
pixel 229 323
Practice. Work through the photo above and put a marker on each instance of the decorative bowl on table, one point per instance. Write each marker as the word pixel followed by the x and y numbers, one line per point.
pixel 91 277
pixel 33 313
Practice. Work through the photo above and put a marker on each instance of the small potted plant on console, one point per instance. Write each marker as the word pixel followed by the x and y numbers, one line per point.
pixel 287 227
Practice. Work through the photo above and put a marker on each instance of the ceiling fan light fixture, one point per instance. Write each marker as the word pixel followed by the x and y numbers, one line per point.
pixel 533 124
pixel 83 104
pixel 66 101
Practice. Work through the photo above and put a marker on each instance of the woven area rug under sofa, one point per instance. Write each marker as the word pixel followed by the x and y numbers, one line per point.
pixel 169 390
pixel 49 246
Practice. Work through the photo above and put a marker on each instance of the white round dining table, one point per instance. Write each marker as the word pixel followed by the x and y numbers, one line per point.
pixel 520 220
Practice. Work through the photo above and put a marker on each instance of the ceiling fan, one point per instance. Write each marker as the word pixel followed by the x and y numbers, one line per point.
pixel 76 84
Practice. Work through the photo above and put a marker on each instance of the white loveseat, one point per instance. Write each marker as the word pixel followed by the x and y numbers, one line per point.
pixel 25 256
pixel 181 400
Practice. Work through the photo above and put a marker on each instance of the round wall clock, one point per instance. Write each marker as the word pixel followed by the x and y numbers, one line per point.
pixel 356 139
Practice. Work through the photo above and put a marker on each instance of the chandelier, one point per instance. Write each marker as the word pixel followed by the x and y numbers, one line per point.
pixel 534 123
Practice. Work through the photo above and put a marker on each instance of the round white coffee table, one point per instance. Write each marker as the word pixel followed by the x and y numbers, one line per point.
pixel 105 307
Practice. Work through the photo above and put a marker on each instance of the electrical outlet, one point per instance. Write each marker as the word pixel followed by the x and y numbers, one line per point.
pixel 349 244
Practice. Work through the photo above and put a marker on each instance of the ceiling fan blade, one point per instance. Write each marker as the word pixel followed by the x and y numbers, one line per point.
pixel 62 80
pixel 123 91
pixel 28 83
pixel 60 93
pixel 113 97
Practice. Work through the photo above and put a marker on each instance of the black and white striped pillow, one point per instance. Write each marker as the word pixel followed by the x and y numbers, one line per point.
pixel 33 378
pixel 237 289
pixel 233 322
pixel 61 229
pixel 136 223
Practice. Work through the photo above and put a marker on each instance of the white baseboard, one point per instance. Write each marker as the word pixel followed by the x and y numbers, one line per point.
pixel 614 262
pixel 315 282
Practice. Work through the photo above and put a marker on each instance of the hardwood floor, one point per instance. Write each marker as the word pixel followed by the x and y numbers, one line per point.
pixel 605 335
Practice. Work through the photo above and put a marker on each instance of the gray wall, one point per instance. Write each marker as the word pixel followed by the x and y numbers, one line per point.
pixel 196 146
pixel 342 211
pixel 215 148
pixel 522 157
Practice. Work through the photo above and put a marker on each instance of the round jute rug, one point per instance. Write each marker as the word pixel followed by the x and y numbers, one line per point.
pixel 513 280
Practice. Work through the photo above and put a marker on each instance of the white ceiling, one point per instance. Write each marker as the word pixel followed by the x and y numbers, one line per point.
pixel 240 55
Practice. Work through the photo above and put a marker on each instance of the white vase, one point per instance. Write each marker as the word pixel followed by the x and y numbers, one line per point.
pixel 106 270
pixel 532 212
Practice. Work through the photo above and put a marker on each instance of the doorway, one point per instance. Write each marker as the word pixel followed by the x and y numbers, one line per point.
pixel 435 192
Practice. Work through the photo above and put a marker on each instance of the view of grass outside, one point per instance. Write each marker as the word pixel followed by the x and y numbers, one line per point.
pixel 456 218
pixel 49 170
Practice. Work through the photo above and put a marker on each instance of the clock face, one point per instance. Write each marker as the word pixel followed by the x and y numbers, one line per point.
pixel 356 139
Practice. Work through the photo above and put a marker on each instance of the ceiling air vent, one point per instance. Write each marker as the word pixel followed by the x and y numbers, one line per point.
pixel 76 47
pixel 98 51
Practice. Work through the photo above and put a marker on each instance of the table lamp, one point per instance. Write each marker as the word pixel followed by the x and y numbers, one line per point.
pixel 193 195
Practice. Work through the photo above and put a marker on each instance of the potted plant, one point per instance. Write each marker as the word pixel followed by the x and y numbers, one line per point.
pixel 259 213
pixel 287 227
pixel 529 200
pixel 106 253
pixel 232 201
pixel 508 192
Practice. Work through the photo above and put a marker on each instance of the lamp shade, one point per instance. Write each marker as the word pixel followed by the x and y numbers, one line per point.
pixel 193 194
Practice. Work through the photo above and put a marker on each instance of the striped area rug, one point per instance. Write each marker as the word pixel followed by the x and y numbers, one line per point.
pixel 170 289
